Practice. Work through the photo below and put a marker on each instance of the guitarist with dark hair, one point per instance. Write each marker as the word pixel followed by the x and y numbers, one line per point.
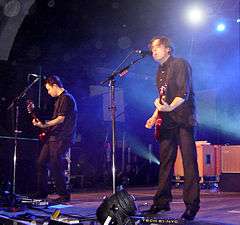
pixel 61 132
pixel 174 119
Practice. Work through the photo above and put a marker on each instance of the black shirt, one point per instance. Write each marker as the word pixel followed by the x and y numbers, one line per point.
pixel 64 105
pixel 175 75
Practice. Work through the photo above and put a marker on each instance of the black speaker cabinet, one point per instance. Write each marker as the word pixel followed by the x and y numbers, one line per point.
pixel 27 153
pixel 230 182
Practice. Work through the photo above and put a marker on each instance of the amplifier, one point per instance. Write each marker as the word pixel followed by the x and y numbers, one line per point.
pixel 230 156
pixel 206 161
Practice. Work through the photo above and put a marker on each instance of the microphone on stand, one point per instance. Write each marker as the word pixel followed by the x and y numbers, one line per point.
pixel 143 53
pixel 36 76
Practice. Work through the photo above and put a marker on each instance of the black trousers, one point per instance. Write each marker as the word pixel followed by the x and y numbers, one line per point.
pixel 169 140
pixel 52 152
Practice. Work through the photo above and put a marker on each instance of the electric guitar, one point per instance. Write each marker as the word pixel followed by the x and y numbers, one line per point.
pixel 43 135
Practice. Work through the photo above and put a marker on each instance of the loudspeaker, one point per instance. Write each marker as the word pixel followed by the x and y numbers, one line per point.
pixel 230 182
pixel 206 161
pixel 117 209
pixel 230 159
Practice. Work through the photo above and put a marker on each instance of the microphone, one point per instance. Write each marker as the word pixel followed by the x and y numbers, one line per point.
pixel 143 53
pixel 34 75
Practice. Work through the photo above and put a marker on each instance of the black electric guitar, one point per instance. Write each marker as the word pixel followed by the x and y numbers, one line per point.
pixel 44 133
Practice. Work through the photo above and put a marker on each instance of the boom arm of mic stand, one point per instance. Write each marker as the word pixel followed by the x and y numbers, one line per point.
pixel 23 93
pixel 114 74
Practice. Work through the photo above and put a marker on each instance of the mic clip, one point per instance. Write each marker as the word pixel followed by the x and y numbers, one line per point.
pixel 143 53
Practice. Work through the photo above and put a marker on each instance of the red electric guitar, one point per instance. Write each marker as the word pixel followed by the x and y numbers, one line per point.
pixel 43 135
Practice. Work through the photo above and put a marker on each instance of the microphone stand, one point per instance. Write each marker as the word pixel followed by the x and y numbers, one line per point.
pixel 15 103
pixel 111 80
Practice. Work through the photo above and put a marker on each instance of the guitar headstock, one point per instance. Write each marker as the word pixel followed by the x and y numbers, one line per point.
pixel 30 106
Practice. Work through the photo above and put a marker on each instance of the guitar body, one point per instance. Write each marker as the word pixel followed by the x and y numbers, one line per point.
pixel 43 134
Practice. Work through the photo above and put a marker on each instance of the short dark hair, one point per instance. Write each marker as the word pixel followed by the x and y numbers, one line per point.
pixel 162 40
pixel 53 79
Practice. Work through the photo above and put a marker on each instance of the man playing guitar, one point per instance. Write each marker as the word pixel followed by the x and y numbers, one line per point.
pixel 176 125
pixel 61 132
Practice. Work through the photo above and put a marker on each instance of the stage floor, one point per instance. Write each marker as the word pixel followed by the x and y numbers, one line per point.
pixel 216 207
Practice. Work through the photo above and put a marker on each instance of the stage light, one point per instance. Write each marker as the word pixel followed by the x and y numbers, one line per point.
pixel 117 209
pixel 220 27
pixel 238 20
pixel 195 15
pixel 141 150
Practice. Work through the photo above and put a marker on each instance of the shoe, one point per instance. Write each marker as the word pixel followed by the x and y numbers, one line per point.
pixel 189 214
pixel 154 209
pixel 38 195
pixel 62 198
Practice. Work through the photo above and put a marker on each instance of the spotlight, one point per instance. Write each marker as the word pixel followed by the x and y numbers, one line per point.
pixel 220 27
pixel 195 15
pixel 116 209
pixel 238 20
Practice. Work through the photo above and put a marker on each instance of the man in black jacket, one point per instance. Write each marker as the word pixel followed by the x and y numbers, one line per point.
pixel 175 106
pixel 61 132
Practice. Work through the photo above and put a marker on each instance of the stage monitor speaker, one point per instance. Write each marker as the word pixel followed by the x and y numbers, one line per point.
pixel 230 182
pixel 117 209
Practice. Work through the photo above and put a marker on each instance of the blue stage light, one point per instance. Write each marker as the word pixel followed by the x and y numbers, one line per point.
pixel 220 27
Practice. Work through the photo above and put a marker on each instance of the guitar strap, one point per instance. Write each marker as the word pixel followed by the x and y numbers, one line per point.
pixel 162 81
